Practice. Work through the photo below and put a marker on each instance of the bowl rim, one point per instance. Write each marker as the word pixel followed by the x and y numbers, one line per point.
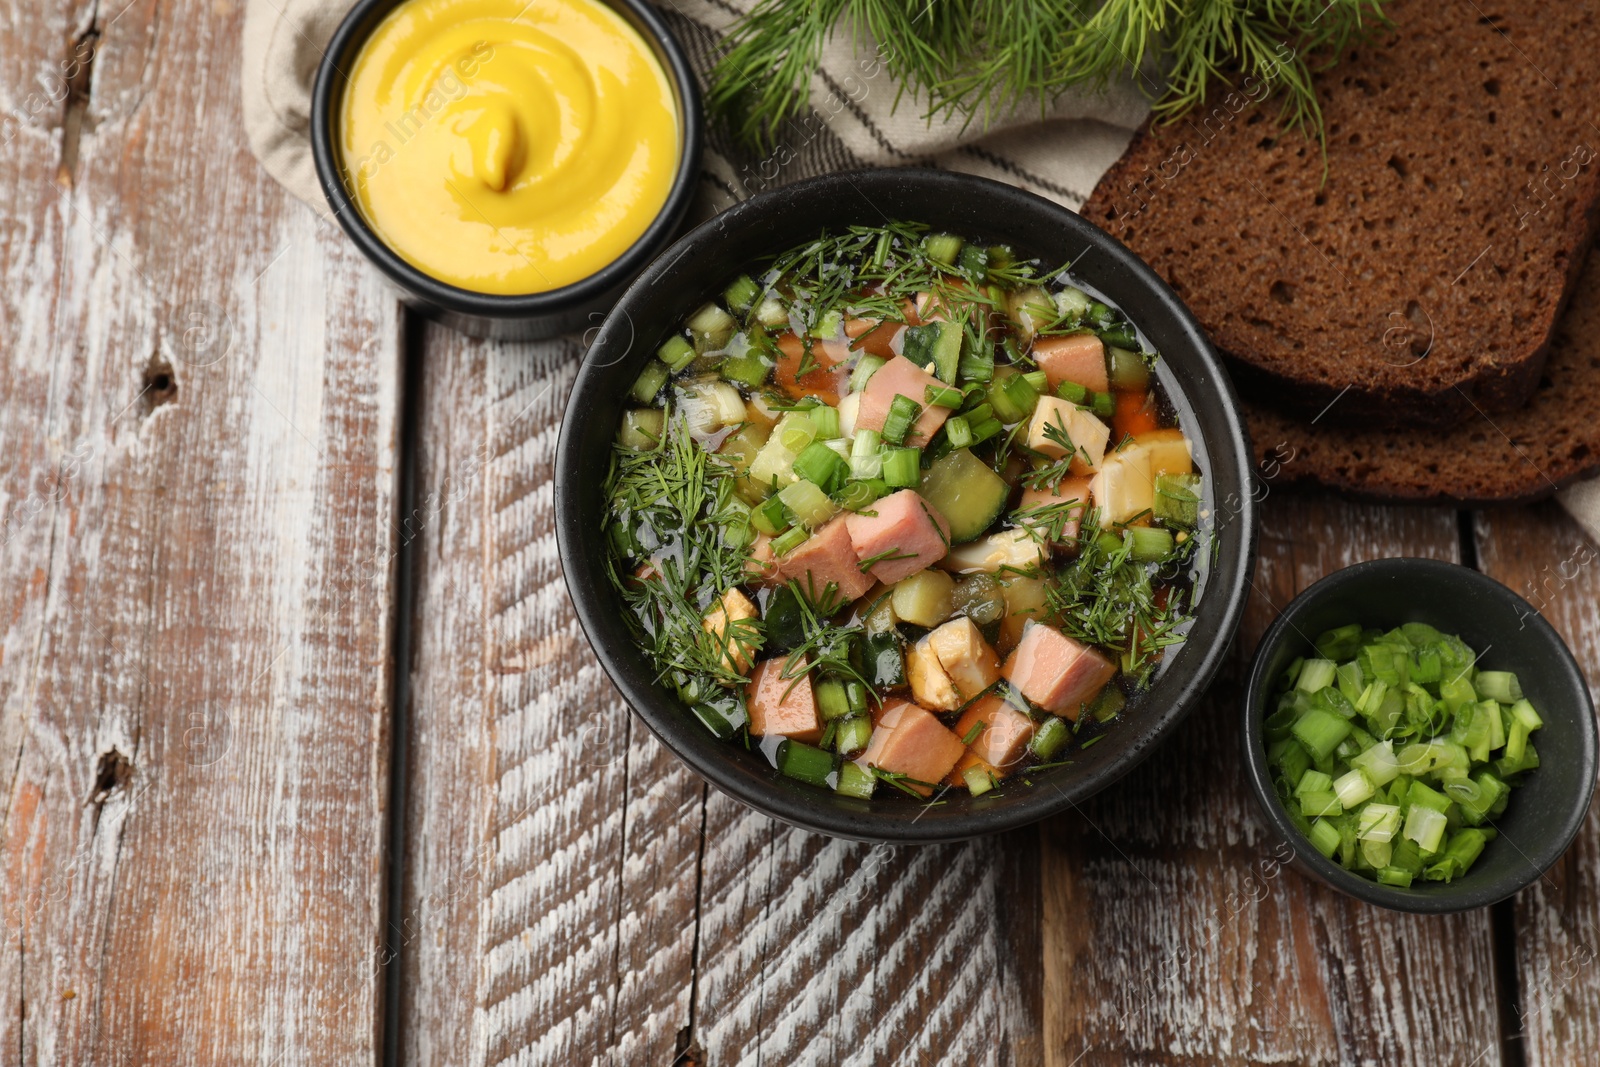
pixel 668 723
pixel 330 81
pixel 1435 899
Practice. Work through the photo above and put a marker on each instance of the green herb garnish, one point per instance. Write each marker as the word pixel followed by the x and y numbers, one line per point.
pixel 978 59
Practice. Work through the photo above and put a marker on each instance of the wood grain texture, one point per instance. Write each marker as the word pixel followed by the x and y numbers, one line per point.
pixel 553 845
pixel 1542 554
pixel 1174 935
pixel 820 951
pixel 197 419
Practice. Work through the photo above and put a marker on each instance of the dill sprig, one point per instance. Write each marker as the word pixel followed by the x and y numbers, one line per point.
pixel 668 509
pixel 1107 598
pixel 979 59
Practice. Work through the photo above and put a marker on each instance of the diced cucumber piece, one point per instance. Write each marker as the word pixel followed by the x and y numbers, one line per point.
pixel 967 492
pixel 1128 371
pixel 938 343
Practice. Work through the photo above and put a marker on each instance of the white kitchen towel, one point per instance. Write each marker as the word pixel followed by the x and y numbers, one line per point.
pixel 853 122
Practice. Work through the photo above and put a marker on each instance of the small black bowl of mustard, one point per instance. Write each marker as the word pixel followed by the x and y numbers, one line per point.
pixel 509 165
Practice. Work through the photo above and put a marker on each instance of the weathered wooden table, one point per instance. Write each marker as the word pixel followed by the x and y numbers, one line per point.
pixel 304 760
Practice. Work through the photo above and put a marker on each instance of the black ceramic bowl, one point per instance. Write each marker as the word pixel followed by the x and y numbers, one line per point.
pixel 533 315
pixel 696 269
pixel 1544 813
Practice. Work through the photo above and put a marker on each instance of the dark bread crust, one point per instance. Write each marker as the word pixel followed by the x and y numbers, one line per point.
pixel 1485 458
pixel 1426 276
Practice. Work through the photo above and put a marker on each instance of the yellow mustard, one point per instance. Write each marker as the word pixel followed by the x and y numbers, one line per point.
pixel 508 146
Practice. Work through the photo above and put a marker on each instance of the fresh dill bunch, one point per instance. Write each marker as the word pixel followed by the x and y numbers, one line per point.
pixel 978 59
pixel 669 510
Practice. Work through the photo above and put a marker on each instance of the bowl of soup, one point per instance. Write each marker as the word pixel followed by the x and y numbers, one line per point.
pixel 905 505
pixel 509 165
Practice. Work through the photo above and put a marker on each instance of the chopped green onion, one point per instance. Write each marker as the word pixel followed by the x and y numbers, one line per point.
pixel 1324 837
pixel 676 353
pixel 1426 827
pixel 1395 876
pixel 1320 732
pixel 865 369
pixel 987 428
pixel 1340 643
pixel 795 431
pixel 711 328
pixel 826 420
pixel 1316 674
pixel 941 396
pixel 771 313
pixel 787 542
pixel 866 457
pixel 1498 685
pixel 854 733
pixel 903 412
pixel 1352 788
pixel 829 325
pixel 641 428
pixel 1148 544
pixel 805 762
pixel 650 381
pixel 1103 405
pixel 855 782
pixel 821 466
pixel 809 502
pixel 958 431
pixel 1378 822
pixel 1322 802
pixel 770 516
pixel 1049 737
pixel 902 467
pixel 830 698
pixel 1313 781
pixel 860 493
pixel 1038 379
pixel 979 781
pixel 742 294
pixel 1073 393
pixel 942 248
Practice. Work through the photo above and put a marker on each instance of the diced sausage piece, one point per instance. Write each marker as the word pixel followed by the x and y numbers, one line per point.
pixel 825 377
pixel 1056 672
pixel 873 336
pixel 915 744
pixel 1005 734
pixel 930 683
pixel 904 534
pixel 1078 357
pixel 738 650
pixel 826 556
pixel 901 377
pixel 957 775
pixel 762 565
pixel 780 705
pixel 965 656
pixel 1089 436
pixel 1068 490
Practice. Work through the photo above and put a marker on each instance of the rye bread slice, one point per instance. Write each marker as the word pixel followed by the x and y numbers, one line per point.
pixel 1427 274
pixel 1499 458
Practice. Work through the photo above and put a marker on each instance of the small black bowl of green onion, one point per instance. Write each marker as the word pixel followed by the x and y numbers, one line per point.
pixel 1419 735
